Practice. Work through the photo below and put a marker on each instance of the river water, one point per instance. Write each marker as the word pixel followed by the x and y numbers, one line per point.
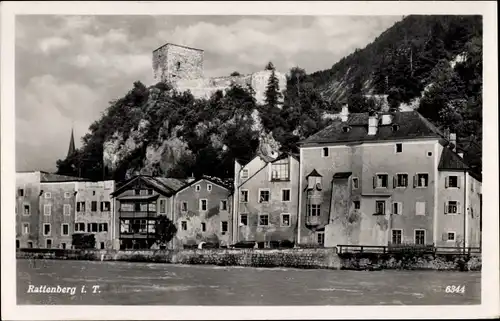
pixel 123 283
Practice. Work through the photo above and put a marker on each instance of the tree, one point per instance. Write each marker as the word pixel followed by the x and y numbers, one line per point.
pixel 273 94
pixel 165 230
pixel 235 73
pixel 269 66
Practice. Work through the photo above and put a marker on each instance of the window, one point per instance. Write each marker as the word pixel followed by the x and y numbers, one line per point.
pixel 197 188
pixel 325 152
pixel 92 227
pixel 380 207
pixel 93 193
pixel 429 154
pixel 472 186
pixel 452 182
pixel 285 195
pixel 420 208
pixel 203 205
pixel 244 196
pixel 184 225
pixel 357 205
pixel 380 181
pixel 419 237
pixel 93 206
pixel 48 243
pixel 346 129
pixel 66 209
pixel 244 173
pixel 18 244
pixel 65 229
pixel 20 192
pixel 103 227
pixel 67 194
pixel 102 245
pixel 320 237
pixel 80 206
pixel 184 206
pixel 313 209
pixel 285 219
pixel 163 206
pixel 105 206
pixel 137 207
pixel 26 228
pixel 452 207
pixel 355 182
pixel 223 226
pixel 30 245
pixel 395 127
pixel 26 209
pixel 421 180
pixel 451 236
pixel 397 236
pixel 46 229
pixel 203 227
pixel 397 208
pixel 47 209
pixel 79 227
pixel 243 219
pixel 399 148
pixel 178 65
pixel 209 187
pixel 263 196
pixel 263 220
pixel 223 205
pixel 401 180
pixel 47 195
pixel 280 170
pixel 150 192
pixel 63 246
pixel 125 226
pixel 137 192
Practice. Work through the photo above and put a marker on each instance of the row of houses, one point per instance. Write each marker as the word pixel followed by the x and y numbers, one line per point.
pixel 367 179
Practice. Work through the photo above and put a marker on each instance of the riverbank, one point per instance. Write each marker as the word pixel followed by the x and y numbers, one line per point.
pixel 315 258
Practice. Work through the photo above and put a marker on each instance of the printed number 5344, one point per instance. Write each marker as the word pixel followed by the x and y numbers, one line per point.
pixel 455 289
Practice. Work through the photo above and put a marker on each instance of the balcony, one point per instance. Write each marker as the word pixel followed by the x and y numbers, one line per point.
pixel 137 214
pixel 142 235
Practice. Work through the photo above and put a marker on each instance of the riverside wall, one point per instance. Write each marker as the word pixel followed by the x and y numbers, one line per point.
pixel 315 258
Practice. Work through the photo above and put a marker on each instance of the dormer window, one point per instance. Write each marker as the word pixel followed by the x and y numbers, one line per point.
pixel 395 127
pixel 346 129
pixel 314 180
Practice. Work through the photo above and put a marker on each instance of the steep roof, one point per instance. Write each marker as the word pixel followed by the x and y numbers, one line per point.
pixel 410 125
pixel 314 173
pixel 165 185
pixel 451 161
pixel 50 177
pixel 71 148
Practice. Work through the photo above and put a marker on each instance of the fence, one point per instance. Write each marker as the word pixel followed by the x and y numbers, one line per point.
pixel 407 248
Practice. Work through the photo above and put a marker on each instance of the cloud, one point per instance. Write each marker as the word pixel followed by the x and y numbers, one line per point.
pixel 69 67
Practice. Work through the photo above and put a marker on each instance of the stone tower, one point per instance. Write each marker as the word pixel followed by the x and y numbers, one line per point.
pixel 172 63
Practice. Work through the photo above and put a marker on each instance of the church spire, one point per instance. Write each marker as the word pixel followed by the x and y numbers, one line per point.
pixel 71 148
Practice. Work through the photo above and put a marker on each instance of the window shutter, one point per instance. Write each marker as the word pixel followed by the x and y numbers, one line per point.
pixel 445 207
pixel 394 181
pixel 446 182
pixel 459 208
pixel 374 181
pixel 445 237
pixel 400 208
pixel 414 181
pixel 459 179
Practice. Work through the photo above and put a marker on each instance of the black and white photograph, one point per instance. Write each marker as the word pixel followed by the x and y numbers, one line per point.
pixel 182 155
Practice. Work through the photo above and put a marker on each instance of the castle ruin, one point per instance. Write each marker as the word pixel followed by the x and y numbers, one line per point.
pixel 182 67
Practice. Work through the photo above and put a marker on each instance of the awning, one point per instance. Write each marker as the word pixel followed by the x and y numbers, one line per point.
pixel 138 197
pixel 342 175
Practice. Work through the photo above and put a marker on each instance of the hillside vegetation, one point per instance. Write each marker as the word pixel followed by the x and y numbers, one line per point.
pixel 431 62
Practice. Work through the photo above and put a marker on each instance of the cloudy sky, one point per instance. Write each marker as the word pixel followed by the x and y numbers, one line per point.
pixel 68 68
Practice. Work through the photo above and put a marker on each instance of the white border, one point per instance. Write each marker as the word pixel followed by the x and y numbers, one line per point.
pixel 490 275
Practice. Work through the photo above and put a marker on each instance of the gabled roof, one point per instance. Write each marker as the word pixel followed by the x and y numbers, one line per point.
pixel 314 173
pixel 451 161
pixel 50 177
pixel 410 125
pixel 164 185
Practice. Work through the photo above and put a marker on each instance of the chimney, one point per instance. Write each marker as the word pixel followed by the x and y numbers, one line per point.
pixel 190 179
pixel 344 114
pixel 453 141
pixel 372 124
pixel 386 119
